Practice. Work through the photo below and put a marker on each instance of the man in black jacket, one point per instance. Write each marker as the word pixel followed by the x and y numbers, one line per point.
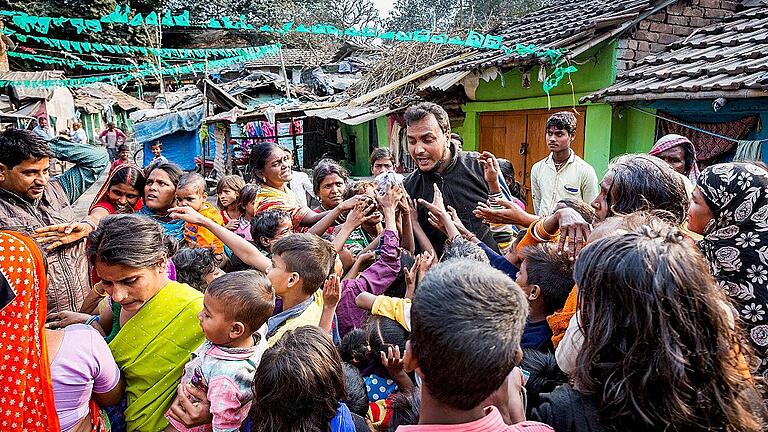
pixel 458 174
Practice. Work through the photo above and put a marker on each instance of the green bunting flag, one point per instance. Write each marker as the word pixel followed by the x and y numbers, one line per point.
pixel 170 53
pixel 123 15
pixel 122 78
pixel 75 63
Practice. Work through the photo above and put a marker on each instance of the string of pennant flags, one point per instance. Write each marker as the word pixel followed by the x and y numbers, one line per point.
pixel 82 47
pixel 122 15
pixel 45 59
pixel 122 78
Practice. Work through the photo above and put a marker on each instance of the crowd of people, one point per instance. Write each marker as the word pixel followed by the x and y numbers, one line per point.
pixel 436 301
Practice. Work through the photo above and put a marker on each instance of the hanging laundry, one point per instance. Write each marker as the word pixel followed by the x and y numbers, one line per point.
pixel 748 151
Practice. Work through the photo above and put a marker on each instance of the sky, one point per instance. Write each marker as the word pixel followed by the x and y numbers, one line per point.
pixel 384 6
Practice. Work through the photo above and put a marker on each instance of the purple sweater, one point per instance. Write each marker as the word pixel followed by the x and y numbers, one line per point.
pixel 375 280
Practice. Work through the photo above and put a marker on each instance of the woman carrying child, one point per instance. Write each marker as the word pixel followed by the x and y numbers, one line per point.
pixel 234 316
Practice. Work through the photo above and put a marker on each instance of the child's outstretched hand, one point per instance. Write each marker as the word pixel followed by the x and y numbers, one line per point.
pixel 391 197
pixel 331 292
pixel 395 367
pixel 361 213
pixel 413 276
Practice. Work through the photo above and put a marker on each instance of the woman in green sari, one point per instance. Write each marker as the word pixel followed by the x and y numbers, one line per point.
pixel 158 319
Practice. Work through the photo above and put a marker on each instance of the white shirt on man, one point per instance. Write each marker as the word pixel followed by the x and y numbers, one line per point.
pixel 575 179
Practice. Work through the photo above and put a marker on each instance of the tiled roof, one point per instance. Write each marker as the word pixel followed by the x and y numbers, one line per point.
pixel 574 25
pixel 724 59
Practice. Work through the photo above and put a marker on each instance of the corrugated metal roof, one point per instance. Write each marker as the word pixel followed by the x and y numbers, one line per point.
pixel 443 82
pixel 350 115
pixel 96 97
pixel 727 58
pixel 32 92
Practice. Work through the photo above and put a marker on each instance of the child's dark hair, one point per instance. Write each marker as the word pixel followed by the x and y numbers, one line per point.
pixel 354 348
pixel 192 264
pixel 405 407
pixel 584 209
pixel 247 194
pixel 265 224
pixel 381 153
pixel 194 181
pixel 299 383
pixel 467 321
pixel 552 272
pixel 358 188
pixel 545 375
pixel 357 395
pixel 508 172
pixel 383 333
pixel 248 295
pixel 398 287
pixel 463 248
pixel 310 256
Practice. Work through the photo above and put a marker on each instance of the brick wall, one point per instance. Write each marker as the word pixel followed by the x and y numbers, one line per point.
pixel 669 25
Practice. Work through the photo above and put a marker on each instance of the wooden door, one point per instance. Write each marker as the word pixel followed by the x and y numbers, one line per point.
pixel 520 137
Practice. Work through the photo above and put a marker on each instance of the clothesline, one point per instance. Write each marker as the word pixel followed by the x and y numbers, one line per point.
pixel 704 131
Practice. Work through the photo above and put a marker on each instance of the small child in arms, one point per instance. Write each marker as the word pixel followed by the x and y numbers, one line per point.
pixel 236 308
pixel 191 192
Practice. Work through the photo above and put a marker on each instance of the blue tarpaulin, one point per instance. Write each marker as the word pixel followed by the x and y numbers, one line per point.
pixel 178 131
pixel 180 148
pixel 166 124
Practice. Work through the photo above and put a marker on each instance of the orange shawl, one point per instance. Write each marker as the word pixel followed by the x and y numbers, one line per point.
pixel 25 374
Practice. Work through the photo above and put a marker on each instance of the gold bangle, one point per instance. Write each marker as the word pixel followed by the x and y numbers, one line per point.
pixel 100 294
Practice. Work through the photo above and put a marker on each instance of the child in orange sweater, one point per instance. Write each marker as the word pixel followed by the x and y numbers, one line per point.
pixel 191 192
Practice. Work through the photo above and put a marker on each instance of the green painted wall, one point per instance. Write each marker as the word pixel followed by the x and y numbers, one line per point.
pixel 382 131
pixel 597 72
pixel 641 131
pixel 360 132
pixel 606 134
pixel 597 137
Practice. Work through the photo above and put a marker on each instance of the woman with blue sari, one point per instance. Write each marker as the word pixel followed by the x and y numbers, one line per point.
pixel 160 196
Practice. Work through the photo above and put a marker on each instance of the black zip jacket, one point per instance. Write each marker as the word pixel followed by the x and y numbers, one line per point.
pixel 463 186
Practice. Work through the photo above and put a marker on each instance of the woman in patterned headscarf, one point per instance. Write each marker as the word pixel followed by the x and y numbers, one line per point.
pixel 679 153
pixel 730 208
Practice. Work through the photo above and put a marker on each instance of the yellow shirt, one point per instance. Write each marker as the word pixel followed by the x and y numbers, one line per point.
pixel 197 236
pixel 398 309
pixel 311 317
pixel 576 179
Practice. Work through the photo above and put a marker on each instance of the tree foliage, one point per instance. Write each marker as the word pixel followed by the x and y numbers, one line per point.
pixel 456 15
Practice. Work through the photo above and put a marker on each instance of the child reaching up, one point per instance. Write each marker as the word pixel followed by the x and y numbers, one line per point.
pixel 236 308
pixel 190 192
